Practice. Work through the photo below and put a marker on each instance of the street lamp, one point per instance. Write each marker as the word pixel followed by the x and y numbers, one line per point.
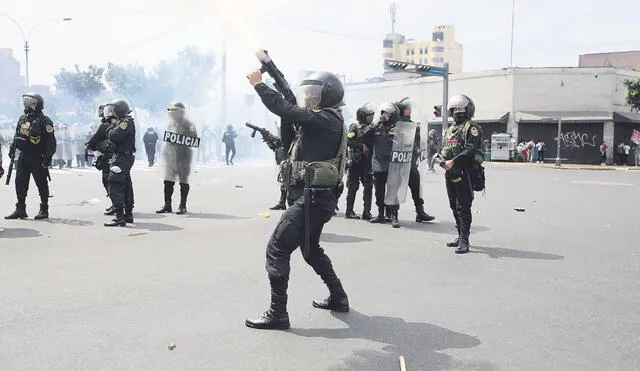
pixel 27 38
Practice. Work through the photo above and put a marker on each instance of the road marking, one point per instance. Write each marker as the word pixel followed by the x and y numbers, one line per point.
pixel 403 365
pixel 595 182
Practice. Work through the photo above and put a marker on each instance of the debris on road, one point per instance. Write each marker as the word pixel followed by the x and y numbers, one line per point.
pixel 519 209
pixel 172 346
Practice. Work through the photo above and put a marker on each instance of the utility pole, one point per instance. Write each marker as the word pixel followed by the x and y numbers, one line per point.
pixel 224 82
pixel 445 99
pixel 558 161
pixel 513 23
pixel 394 13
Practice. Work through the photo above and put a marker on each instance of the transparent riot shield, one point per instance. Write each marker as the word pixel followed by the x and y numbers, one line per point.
pixel 400 166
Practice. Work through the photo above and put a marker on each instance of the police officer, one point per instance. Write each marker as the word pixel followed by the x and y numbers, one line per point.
pixel 320 137
pixel 460 144
pixel 359 163
pixel 122 134
pixel 150 139
pixel 177 159
pixel 404 109
pixel 432 148
pixel 379 137
pixel 100 142
pixel 37 144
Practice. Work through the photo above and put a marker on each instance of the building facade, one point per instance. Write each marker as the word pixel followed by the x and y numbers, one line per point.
pixel 526 103
pixel 629 60
pixel 442 48
pixel 11 81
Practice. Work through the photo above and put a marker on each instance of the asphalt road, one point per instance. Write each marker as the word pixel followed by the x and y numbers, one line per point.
pixel 556 287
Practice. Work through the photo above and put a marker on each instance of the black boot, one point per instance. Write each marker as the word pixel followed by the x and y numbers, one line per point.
pixel 366 197
pixel 380 218
pixel 110 211
pixel 43 213
pixel 128 215
pixel 168 193
pixel 351 199
pixel 119 221
pixel 387 215
pixel 19 213
pixel 421 216
pixel 275 318
pixel 184 192
pixel 282 203
pixel 395 223
pixel 455 242
pixel 337 300
pixel 465 230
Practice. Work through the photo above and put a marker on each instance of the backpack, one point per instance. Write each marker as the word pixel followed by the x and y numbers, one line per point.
pixel 478 178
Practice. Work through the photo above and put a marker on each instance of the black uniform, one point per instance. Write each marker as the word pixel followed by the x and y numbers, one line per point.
pixel 379 137
pixel 229 140
pixel 36 141
pixel 123 137
pixel 150 139
pixel 320 140
pixel 100 142
pixel 461 141
pixel 359 169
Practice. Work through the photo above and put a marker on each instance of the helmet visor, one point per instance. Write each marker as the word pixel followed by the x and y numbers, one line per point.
pixel 176 114
pixel 309 96
pixel 28 101
pixel 109 111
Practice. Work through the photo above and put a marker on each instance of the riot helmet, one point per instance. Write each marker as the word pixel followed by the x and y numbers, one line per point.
pixel 101 111
pixel 432 133
pixel 364 114
pixel 320 90
pixel 32 102
pixel 461 108
pixel 388 113
pixel 176 111
pixel 108 111
pixel 404 107
pixel 120 108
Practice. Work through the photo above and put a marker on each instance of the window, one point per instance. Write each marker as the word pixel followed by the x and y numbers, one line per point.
pixel 437 49
pixel 438 60
pixel 387 43
pixel 421 50
pixel 388 55
pixel 438 36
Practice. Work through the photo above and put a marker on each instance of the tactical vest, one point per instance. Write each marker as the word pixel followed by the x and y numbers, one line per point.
pixel 29 134
pixel 316 174
pixel 454 140
pixel 356 154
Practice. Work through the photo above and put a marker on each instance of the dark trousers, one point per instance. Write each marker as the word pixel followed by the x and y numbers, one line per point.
pixel 380 183
pixel 360 172
pixel 541 156
pixel 229 149
pixel 120 185
pixel 151 154
pixel 460 196
pixel 25 169
pixel 105 178
pixel 414 186
pixel 289 235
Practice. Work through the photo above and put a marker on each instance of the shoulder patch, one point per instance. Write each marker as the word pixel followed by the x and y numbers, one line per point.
pixel 192 128
pixel 123 125
pixel 351 135
pixel 474 131
pixel 49 128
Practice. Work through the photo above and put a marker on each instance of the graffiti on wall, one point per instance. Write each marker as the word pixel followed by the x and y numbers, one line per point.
pixel 574 139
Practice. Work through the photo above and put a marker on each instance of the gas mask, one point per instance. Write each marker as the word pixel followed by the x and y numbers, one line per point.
pixel 29 104
pixel 459 115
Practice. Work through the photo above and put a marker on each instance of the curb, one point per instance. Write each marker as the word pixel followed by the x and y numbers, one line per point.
pixel 567 167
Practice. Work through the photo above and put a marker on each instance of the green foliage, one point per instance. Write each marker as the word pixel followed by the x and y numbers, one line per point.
pixel 128 81
pixel 633 94
pixel 85 86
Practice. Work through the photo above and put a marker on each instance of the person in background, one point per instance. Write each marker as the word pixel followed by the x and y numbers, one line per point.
pixel 540 148
pixel 229 140
pixel 603 154
pixel 626 153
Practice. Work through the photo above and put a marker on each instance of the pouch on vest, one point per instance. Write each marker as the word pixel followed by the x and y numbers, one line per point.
pixel 322 174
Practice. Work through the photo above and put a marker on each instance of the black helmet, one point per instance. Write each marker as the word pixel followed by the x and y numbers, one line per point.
pixel 31 98
pixel 404 104
pixel 176 106
pixel 176 110
pixel 321 90
pixel 364 111
pixel 462 101
pixel 120 108
pixel 388 112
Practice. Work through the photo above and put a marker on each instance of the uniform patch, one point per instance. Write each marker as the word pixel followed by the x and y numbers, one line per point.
pixel 192 128
pixel 351 135
pixel 123 125
pixel 474 131
pixel 49 128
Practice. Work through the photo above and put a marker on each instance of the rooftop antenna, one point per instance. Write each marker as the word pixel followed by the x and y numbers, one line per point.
pixel 394 13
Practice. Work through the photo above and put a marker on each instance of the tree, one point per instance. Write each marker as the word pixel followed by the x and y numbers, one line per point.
pixel 193 75
pixel 83 86
pixel 128 81
pixel 633 94
pixel 159 91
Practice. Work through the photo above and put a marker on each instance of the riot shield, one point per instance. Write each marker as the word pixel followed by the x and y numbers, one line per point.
pixel 400 166
pixel 180 142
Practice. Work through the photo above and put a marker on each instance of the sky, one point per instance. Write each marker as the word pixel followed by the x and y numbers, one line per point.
pixel 342 36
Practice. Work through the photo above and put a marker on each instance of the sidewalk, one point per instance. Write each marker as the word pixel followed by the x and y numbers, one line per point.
pixel 564 166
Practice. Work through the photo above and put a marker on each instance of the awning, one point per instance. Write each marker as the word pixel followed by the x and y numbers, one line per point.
pixel 567 116
pixel 626 117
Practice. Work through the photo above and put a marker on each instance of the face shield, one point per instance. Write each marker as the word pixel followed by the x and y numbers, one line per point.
pixel 176 114
pixel 309 96
pixel 29 101
pixel 109 112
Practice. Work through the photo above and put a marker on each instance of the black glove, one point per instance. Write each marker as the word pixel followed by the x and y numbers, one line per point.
pixel 46 162
pixel 12 150
pixel 1 171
